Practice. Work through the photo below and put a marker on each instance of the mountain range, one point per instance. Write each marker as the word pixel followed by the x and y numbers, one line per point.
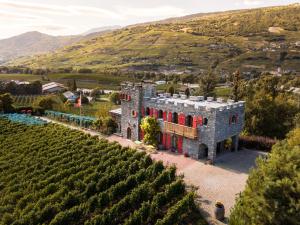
pixel 32 43
pixel 252 40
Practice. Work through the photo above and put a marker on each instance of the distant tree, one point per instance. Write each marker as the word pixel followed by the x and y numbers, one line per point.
pixel 272 193
pixel 187 92
pixel 105 125
pixel 208 83
pixel 171 89
pixel 151 130
pixel 6 103
pixel 71 84
pixel 114 97
pixel 44 102
pixel 237 85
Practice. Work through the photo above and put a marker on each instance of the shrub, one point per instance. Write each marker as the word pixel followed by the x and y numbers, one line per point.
pixel 256 142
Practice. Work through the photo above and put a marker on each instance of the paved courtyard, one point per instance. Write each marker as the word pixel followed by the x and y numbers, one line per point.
pixel 219 182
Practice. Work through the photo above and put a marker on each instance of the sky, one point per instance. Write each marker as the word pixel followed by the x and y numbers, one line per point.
pixel 70 17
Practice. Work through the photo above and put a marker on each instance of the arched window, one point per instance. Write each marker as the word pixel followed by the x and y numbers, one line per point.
pixel 189 121
pixel 128 133
pixel 133 113
pixel 205 121
pixel 147 111
pixel 160 114
pixel 175 117
pixel 233 119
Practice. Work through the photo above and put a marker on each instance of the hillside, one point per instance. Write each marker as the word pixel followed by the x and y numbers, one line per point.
pixel 256 39
pixel 32 43
pixel 62 176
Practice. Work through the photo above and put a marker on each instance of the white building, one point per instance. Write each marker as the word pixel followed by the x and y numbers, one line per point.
pixel 53 87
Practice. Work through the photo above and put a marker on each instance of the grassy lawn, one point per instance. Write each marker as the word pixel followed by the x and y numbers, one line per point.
pixel 22 77
pixel 96 109
pixel 223 92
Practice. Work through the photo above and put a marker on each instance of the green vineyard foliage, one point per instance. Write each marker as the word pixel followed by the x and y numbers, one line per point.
pixel 50 174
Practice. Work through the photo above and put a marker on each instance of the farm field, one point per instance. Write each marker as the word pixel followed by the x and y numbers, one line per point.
pixel 25 100
pixel 102 81
pixel 63 176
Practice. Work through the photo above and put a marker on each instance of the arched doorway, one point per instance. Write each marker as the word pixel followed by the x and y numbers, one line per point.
pixel 175 117
pixel 147 111
pixel 129 133
pixel 203 151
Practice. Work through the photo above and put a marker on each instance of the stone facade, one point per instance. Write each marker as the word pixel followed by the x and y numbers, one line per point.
pixel 193 126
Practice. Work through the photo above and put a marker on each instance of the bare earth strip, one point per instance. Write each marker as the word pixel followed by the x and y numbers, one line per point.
pixel 220 182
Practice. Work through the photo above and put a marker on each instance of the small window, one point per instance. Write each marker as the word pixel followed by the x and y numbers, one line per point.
pixel 205 121
pixel 189 121
pixel 133 113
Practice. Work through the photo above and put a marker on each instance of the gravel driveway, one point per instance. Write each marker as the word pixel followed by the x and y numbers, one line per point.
pixel 219 182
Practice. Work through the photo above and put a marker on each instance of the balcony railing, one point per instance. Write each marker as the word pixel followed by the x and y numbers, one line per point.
pixel 181 130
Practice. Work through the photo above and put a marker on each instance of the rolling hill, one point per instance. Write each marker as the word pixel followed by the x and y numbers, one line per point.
pixel 256 39
pixel 32 43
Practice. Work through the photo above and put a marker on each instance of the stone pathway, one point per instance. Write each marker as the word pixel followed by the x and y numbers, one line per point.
pixel 220 182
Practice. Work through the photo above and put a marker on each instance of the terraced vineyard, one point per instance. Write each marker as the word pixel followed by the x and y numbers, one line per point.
pixel 52 175
pixel 25 100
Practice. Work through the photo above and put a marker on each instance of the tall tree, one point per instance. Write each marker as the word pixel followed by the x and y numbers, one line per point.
pixel 236 89
pixel 208 83
pixel 272 194
pixel 151 129
pixel 6 103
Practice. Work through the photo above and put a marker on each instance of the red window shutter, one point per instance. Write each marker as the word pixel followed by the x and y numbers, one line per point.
pixel 155 113
pixel 194 122
pixel 168 145
pixel 170 117
pixel 181 119
pixel 151 111
pixel 179 144
pixel 165 116
pixel 200 120
pixel 164 139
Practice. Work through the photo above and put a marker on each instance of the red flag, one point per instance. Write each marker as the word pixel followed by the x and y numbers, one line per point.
pixel 78 103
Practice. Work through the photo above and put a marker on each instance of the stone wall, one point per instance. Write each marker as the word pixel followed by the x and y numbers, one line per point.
pixel 217 129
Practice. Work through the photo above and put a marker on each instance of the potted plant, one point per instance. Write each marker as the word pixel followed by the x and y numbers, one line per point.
pixel 186 154
pixel 219 211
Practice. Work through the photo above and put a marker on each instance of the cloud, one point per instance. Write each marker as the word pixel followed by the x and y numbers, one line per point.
pixel 70 10
pixel 252 2
pixel 162 11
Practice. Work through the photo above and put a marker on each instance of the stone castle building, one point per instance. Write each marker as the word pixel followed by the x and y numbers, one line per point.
pixel 194 126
